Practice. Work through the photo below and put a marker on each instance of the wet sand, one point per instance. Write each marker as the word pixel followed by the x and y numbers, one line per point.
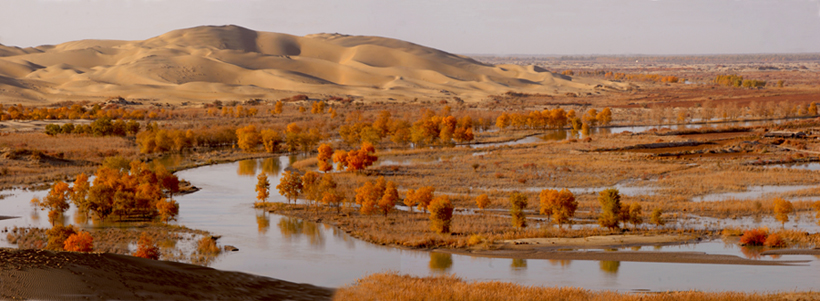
pixel 37 274
pixel 564 249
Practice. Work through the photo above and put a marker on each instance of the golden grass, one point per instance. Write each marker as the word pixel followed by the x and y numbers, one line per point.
pixel 392 286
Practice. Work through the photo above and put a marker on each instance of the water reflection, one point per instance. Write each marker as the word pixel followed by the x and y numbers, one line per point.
pixel 293 228
pixel 560 262
pixel 262 222
pixel 752 252
pixel 518 264
pixel 440 262
pixel 271 166
pixel 610 267
pixel 247 168
pixel 170 161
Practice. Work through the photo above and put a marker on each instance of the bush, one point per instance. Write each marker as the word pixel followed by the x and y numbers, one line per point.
pixel 775 241
pixel 80 242
pixel 146 248
pixel 754 237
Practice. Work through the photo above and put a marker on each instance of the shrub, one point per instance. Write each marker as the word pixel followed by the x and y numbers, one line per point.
pixel 57 236
pixel 79 242
pixel 754 237
pixel 775 241
pixel 482 201
pixel 146 248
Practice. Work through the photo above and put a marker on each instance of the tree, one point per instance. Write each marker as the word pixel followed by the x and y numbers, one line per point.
pixel 441 214
pixel 610 200
pixel 333 198
pixel 290 185
pixel 247 138
pixel 813 109
pixel 561 205
pixel 271 140
pixel 146 248
pixel 519 203
pixel 57 236
pixel 656 217
pixel 604 117
pixel 591 117
pixel 482 201
pixel 368 196
pixel 262 187
pixel 311 186
pixel 420 198
pixel 56 200
pixel 168 210
pixel 389 198
pixel 277 109
pixel 362 158
pixel 340 158
pixel 79 242
pixel 503 121
pixel 324 157
pixel 782 209
pixel 632 214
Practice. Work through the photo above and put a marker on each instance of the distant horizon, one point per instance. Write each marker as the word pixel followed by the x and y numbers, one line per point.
pixel 552 27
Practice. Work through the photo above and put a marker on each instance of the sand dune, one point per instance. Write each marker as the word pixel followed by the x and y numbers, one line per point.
pixel 235 63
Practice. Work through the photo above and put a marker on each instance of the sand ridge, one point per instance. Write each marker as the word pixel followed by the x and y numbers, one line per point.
pixel 231 62
pixel 81 276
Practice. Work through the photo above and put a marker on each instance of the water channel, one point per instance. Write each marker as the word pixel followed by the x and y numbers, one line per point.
pixel 563 134
pixel 294 250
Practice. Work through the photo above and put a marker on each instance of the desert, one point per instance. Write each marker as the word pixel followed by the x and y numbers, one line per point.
pixel 223 162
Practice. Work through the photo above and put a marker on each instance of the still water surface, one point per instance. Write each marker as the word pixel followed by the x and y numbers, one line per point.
pixel 295 250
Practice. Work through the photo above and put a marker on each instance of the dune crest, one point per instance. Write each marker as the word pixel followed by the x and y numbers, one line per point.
pixel 234 63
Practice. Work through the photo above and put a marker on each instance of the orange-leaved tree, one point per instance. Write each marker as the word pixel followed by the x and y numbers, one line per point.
pixel 57 200
pixel 79 193
pixel 324 157
pixel 389 198
pixel 290 185
pixel 57 236
pixel 262 187
pixel 782 209
pixel 247 138
pixel 362 158
pixel 441 214
pixel 421 197
pixel 369 194
pixel 167 209
pixel 560 205
pixel 79 242
pixel 519 203
pixel 340 158
pixel 146 248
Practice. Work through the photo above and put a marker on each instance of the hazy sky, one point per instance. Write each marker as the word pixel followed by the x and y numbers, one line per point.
pixel 459 26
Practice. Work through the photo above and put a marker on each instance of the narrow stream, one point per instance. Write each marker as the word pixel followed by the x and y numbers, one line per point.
pixel 295 250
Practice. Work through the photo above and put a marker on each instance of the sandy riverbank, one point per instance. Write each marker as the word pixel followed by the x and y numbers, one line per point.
pixel 567 249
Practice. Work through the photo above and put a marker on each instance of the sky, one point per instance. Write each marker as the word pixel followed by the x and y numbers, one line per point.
pixel 498 27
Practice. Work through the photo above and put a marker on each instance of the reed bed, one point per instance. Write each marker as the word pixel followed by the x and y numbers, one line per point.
pixel 393 286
